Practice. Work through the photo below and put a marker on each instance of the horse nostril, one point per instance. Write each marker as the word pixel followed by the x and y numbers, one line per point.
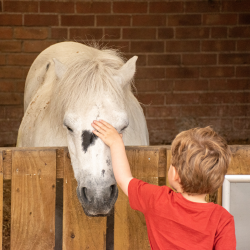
pixel 83 194
pixel 112 189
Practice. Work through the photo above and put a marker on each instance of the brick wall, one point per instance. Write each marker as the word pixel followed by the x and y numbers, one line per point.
pixel 193 67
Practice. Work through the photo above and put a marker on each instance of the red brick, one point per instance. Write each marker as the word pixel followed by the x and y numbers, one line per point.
pixel 164 60
pixel 151 99
pixel 6 33
pixel 165 85
pixel 218 45
pixel 243 71
pixel 183 99
pixel 14 113
pixel 165 33
pixel 244 18
pixel 149 20
pixel 31 33
pixel 167 111
pixel 161 137
pixel 113 20
pixel 2 113
pixel 8 139
pixel 161 124
pixel 242 123
pixel 243 45
pixel 11 99
pixel 56 7
pixel 234 110
pixel 7 86
pixel 141 61
pixel 10 19
pixel 166 7
pixel 146 85
pixel 234 59
pixel 199 59
pixel 85 33
pixel 40 20
pixel 199 111
pixel 216 124
pixel 219 97
pixel 182 46
pixel 147 47
pixel 59 33
pixel 112 33
pixel 235 6
pixel 243 32
pixel 217 71
pixel 11 72
pixel 93 7
pixel 229 84
pixel 20 6
pixel 139 33
pixel 6 126
pixel 190 33
pixel 77 20
pixel 130 7
pixel 36 46
pixel 184 20
pixel 220 19
pixel 21 59
pixel 122 46
pixel 150 73
pixel 10 46
pixel 219 32
pixel 202 7
pixel 2 60
pixel 182 72
pixel 20 86
pixel 191 85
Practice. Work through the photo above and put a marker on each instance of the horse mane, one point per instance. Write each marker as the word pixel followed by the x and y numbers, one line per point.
pixel 88 77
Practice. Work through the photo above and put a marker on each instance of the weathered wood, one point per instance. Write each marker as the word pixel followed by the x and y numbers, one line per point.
pixel 130 227
pixel 79 231
pixel 33 199
pixel 1 199
pixel 240 163
pixel 60 162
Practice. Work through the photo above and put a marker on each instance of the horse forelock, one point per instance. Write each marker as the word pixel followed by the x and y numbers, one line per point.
pixel 88 79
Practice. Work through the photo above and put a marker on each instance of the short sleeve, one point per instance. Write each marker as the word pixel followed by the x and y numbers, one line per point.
pixel 225 238
pixel 142 195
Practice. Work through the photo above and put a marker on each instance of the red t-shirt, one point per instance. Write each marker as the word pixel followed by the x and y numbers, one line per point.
pixel 174 222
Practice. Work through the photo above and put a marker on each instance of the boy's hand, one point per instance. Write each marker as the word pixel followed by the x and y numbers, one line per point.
pixel 106 132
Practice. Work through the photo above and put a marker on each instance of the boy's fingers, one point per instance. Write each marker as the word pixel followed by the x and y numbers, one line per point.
pixel 106 124
pixel 99 128
pixel 97 133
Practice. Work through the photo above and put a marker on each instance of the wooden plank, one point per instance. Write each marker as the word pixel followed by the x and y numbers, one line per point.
pixel 130 226
pixel 33 199
pixel 240 163
pixel 79 231
pixel 1 199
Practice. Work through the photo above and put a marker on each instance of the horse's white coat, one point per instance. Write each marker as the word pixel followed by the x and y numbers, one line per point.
pixel 70 85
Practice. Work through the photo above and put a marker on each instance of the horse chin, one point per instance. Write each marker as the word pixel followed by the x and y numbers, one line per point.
pixel 101 211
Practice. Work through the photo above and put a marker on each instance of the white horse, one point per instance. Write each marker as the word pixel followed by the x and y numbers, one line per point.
pixel 68 86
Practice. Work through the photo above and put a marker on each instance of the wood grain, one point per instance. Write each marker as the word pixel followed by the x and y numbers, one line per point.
pixel 130 226
pixel 80 232
pixel 33 199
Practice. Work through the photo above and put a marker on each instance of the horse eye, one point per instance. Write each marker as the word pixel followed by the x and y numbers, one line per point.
pixel 69 129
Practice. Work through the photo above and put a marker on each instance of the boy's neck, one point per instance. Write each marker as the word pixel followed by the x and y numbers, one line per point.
pixel 199 198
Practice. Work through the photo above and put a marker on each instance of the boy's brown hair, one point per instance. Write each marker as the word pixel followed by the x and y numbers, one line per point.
pixel 201 158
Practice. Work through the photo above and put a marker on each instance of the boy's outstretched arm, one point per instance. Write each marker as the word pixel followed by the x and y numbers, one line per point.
pixel 120 164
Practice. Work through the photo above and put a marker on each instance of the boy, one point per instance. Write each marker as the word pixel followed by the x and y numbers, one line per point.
pixel 179 220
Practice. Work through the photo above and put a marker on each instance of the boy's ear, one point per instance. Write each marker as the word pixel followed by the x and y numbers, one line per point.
pixel 176 175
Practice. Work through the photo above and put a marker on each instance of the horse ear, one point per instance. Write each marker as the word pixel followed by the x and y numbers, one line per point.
pixel 127 71
pixel 60 68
